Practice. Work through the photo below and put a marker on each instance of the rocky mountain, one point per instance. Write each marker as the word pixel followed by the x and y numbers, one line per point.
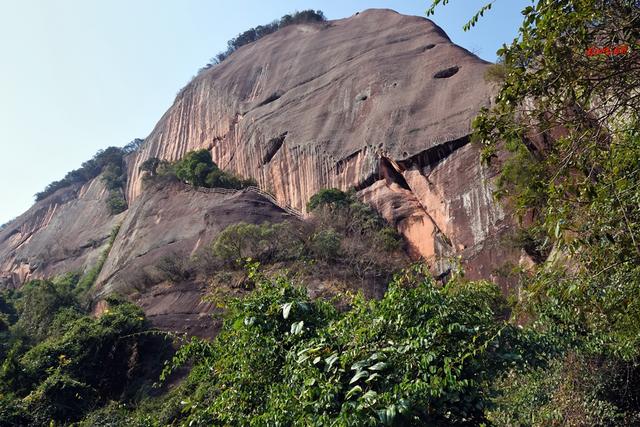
pixel 379 102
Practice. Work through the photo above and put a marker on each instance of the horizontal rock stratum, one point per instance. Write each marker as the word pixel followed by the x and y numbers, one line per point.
pixel 379 102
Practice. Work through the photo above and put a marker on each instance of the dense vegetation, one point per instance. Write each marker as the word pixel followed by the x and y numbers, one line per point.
pixel 423 355
pixel 195 168
pixel 256 33
pixel 338 248
pixel 57 362
pixel 569 125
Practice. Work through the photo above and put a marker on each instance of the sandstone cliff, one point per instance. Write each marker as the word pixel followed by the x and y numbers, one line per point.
pixel 65 232
pixel 379 101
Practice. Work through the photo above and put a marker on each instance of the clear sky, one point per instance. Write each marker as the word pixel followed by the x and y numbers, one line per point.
pixel 80 75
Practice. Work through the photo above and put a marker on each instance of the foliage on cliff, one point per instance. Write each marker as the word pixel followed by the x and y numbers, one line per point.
pixel 108 162
pixel 256 33
pixel 424 354
pixel 350 247
pixel 195 168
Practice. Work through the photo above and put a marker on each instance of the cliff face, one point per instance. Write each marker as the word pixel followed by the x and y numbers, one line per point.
pixel 63 233
pixel 380 101
pixel 176 221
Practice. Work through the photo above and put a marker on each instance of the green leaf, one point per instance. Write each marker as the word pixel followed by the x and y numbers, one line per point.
pixel 331 360
pixel 358 375
pixel 286 308
pixel 372 377
pixel 378 366
pixel 354 390
pixel 371 394
pixel 297 327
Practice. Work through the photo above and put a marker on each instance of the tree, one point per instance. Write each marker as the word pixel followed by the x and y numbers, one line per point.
pixel 331 197
pixel 198 169
pixel 133 146
pixel 565 124
pixel 254 34
pixel 194 167
pixel 423 355
pixel 150 165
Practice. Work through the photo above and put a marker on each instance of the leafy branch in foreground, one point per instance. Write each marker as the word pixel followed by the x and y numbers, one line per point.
pixel 565 133
pixel 423 354
pixel 471 22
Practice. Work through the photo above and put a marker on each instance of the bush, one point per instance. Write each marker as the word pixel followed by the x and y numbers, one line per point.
pixel 388 239
pixel 60 397
pixel 266 242
pixel 91 275
pixel 423 355
pixel 110 157
pixel 13 412
pixel 325 245
pixel 37 304
pixel 173 268
pixel 150 165
pixel 84 362
pixel 331 197
pixel 368 245
pixel 116 202
pixel 573 389
pixel 198 169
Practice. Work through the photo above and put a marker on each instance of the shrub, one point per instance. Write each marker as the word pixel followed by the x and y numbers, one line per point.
pixel 116 202
pixel 109 163
pixel 60 397
pixel 150 165
pixel 91 275
pixel 133 146
pixel 331 197
pixel 423 355
pixel 112 176
pixel 112 156
pixel 388 239
pixel 13 412
pixel 573 389
pixel 266 243
pixel 173 268
pixel 37 304
pixel 325 245
pixel 198 169
pixel 369 247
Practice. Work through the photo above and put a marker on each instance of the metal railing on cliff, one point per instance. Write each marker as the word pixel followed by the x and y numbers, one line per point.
pixel 288 209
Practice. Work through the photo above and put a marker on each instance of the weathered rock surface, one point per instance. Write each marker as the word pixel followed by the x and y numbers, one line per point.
pixel 177 221
pixel 380 101
pixel 65 232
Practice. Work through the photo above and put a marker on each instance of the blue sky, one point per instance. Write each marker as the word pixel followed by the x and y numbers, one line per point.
pixel 80 75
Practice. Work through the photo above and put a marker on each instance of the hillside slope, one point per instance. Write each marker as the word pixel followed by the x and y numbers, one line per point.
pixel 379 102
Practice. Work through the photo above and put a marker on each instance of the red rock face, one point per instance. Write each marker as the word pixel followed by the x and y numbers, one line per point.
pixel 177 220
pixel 63 233
pixel 380 101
